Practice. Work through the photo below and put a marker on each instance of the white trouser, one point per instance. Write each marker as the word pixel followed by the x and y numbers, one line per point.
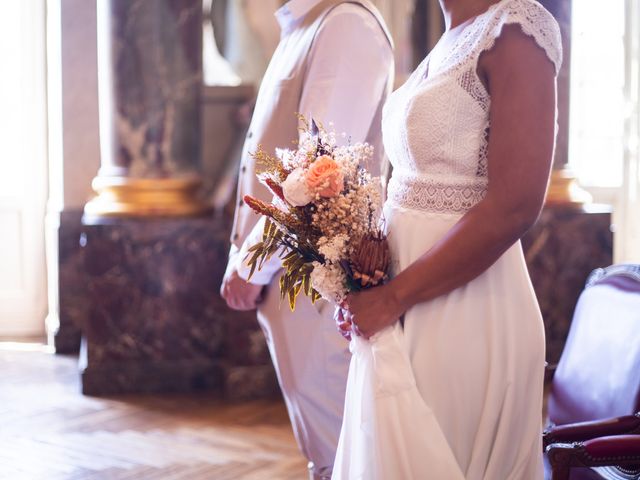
pixel 311 360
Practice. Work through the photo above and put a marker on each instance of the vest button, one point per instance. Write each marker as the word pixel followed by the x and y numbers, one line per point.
pixel 249 134
pixel 240 203
pixel 236 236
pixel 243 169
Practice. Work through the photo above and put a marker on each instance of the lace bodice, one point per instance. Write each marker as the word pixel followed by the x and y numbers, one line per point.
pixel 436 129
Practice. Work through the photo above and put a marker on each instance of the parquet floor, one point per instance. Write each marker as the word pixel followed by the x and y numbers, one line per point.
pixel 48 430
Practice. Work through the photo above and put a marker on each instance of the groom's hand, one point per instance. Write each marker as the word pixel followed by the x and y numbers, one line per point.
pixel 240 294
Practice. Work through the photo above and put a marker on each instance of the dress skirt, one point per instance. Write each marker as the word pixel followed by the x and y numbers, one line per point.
pixel 458 392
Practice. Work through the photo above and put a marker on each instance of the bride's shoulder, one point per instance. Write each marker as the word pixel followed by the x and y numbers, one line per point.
pixel 534 21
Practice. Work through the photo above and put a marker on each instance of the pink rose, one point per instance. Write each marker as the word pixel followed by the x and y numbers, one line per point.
pixel 325 177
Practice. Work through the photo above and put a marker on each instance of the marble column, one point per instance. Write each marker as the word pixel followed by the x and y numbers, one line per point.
pixel 149 78
pixel 564 189
pixel 152 317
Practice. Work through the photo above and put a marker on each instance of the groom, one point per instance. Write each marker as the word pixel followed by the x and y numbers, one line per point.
pixel 334 63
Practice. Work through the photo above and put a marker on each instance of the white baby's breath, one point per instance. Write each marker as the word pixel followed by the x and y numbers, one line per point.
pixel 329 280
pixel 287 157
pixel 334 249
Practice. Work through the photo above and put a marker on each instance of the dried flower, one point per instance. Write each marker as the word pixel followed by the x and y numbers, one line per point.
pixel 287 157
pixel 334 249
pixel 275 188
pixel 325 177
pixel 284 219
pixel 295 189
pixel 329 280
pixel 268 166
pixel 323 222
pixel 370 260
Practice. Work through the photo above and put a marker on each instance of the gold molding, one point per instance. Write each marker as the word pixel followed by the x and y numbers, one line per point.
pixel 564 190
pixel 146 197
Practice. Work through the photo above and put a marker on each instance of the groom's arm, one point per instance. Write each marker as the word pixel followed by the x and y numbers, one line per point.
pixel 350 63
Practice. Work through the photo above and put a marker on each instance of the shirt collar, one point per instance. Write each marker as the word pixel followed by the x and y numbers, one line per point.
pixel 293 11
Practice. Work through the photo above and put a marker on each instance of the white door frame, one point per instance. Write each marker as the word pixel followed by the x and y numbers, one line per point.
pixel 23 186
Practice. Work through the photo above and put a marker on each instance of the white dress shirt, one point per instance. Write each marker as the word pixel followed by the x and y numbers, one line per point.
pixel 344 84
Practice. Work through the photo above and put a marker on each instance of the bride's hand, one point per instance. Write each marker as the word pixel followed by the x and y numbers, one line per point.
pixel 344 325
pixel 370 311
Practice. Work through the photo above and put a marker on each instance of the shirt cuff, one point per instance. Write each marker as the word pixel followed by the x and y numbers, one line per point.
pixel 232 263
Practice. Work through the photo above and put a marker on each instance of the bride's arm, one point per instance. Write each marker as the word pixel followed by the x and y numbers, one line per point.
pixel 521 81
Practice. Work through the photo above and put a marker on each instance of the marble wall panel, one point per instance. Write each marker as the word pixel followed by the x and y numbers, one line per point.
pixel 561 251
pixel 155 320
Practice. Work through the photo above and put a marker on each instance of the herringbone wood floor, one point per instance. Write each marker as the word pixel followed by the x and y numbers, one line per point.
pixel 48 430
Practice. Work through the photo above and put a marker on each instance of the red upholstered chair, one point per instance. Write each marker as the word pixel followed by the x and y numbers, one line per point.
pixel 594 430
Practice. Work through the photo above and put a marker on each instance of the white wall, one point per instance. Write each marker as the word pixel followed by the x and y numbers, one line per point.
pixel 74 150
pixel 79 101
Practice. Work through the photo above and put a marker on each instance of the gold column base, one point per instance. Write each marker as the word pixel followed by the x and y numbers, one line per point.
pixel 145 197
pixel 564 190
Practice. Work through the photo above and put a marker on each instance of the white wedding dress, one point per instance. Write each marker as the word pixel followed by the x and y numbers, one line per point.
pixel 458 393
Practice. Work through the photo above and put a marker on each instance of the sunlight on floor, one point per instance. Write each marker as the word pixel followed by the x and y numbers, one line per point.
pixel 25 347
pixel 50 431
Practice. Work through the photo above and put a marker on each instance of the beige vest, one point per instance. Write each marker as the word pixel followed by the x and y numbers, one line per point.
pixel 274 122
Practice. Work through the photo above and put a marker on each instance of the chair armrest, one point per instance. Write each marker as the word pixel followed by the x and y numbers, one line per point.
pixel 619 450
pixel 578 432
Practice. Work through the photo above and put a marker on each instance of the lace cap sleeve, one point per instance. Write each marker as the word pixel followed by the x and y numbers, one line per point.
pixel 534 20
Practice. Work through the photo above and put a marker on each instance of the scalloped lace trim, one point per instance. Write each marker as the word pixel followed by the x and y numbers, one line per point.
pixel 534 21
pixel 435 196
pixel 532 17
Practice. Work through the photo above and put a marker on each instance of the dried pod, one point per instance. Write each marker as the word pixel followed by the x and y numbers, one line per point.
pixel 275 188
pixel 370 260
pixel 282 218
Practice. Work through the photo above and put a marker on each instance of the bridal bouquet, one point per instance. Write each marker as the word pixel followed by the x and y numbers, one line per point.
pixel 324 221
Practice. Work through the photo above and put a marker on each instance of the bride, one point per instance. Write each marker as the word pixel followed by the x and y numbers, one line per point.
pixel 456 391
